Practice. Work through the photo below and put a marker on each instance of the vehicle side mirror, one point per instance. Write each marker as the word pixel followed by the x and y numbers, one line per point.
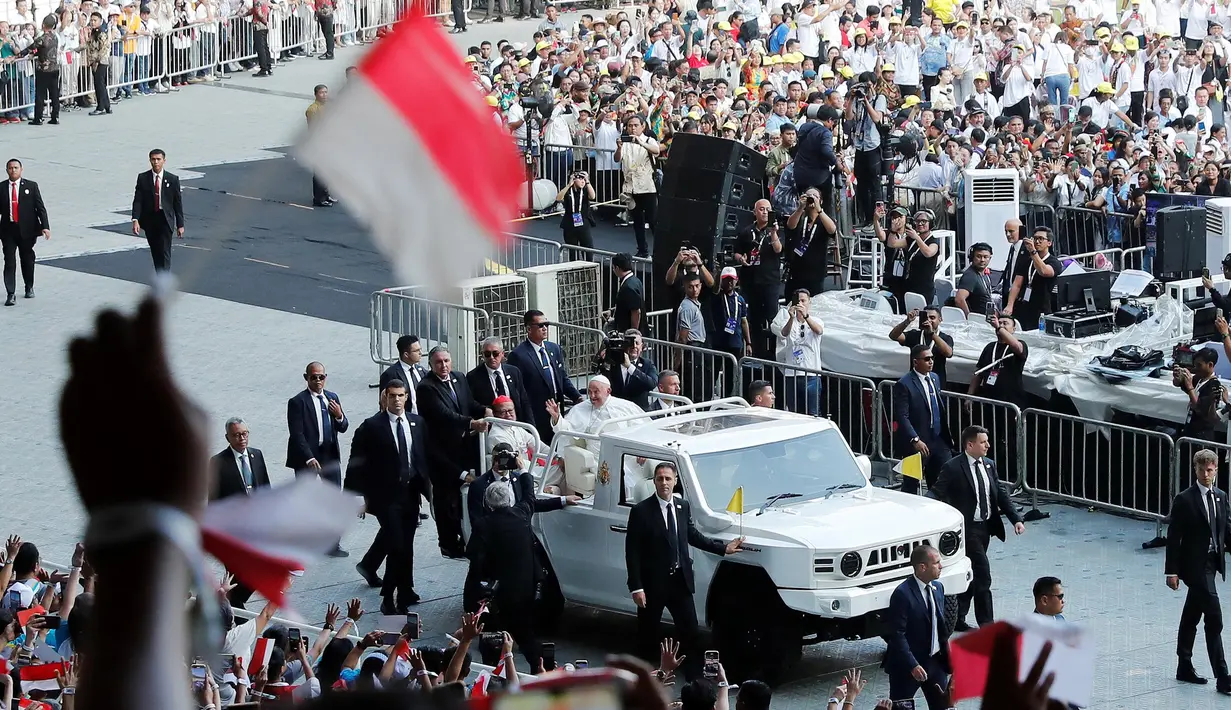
pixel 865 465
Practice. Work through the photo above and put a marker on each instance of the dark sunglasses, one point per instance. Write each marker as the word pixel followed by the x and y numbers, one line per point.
pixel 929 358
pixel 540 324
pixel 315 377
pixel 492 353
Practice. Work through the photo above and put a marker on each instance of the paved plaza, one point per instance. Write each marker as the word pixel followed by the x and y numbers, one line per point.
pixel 270 284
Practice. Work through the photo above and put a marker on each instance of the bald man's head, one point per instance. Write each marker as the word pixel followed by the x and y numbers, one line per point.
pixel 761 211
pixel 1013 230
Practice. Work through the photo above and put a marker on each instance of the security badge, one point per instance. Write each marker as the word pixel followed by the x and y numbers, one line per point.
pixel 604 474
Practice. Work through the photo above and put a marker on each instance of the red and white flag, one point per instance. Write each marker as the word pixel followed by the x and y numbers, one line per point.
pixel 40 677
pixel 411 149
pixel 260 656
pixel 1072 657
pixel 264 538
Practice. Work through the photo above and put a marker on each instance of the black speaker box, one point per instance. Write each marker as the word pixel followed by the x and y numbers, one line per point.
pixel 694 151
pixel 1180 242
pixel 700 223
pixel 712 186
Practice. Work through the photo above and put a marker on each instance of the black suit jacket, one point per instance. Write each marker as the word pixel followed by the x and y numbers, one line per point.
pixel 647 547
pixel 909 630
pixel 503 549
pixel 171 217
pixel 31 213
pixel 523 490
pixel 374 468
pixel 537 382
pixel 480 383
pixel 630 296
pixel 301 445
pixel 1188 536
pixel 229 481
pixel 641 381
pixel 450 448
pixel 956 486
pixel 912 413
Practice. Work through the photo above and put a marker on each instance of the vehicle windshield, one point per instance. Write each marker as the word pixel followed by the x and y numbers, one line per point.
pixel 810 466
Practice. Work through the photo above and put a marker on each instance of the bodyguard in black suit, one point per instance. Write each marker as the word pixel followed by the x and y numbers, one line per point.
pixel 453 417
pixel 24 219
pixel 919 417
pixel 407 369
pixel 238 470
pixel 544 374
pixel 1196 542
pixel 388 465
pixel 637 377
pixel 494 378
pixel 314 418
pixel 158 208
pixel 629 309
pixel 968 482
pixel 660 531
pixel 918 653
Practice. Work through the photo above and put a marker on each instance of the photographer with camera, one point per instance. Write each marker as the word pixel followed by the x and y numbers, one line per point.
pixel 1205 394
pixel 866 113
pixel 758 251
pixel 576 197
pixel 814 154
pixel 926 333
pixel 632 376
pixel 809 232
pixel 635 153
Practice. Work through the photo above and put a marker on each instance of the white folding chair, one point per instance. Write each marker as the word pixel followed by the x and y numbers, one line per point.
pixel 915 301
pixel 952 313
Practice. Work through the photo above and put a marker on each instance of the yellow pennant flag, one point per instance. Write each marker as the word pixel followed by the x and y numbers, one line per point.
pixel 912 466
pixel 737 502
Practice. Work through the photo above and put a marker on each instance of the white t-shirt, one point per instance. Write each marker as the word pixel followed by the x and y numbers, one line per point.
pixel 801 347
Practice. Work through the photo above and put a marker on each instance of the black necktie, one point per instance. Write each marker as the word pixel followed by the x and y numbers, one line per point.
pixel 673 535
pixel 403 453
pixel 932 622
pixel 499 383
pixel 1215 537
pixel 326 419
pixel 984 507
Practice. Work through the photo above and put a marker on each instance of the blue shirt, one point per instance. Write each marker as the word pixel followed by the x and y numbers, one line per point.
pixel 935 55
pixel 729 312
pixel 777 38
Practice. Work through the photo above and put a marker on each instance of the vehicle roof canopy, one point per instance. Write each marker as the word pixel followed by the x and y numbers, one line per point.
pixel 720 430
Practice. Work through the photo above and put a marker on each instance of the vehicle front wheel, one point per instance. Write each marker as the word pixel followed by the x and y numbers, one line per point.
pixel 759 643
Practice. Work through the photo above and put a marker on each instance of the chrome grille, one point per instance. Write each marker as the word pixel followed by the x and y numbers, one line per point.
pixel 892 557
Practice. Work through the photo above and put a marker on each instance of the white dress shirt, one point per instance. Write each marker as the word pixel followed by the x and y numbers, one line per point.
pixel 405 425
pixel 239 464
pixel 498 374
pixel 320 424
pixel 1205 506
pixel 665 509
pixel 412 381
pixel 925 592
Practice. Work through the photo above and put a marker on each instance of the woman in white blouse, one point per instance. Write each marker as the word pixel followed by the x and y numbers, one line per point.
pixel 635 153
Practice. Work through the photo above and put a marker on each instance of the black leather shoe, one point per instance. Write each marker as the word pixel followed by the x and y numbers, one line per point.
pixel 963 626
pixel 369 576
pixel 1188 675
pixel 323 203
pixel 338 552
pixel 408 599
pixel 453 553
pixel 54 122
pixel 36 122
pixel 98 112
pixel 1224 685
pixel 387 608
pixel 11 300
pixel 29 292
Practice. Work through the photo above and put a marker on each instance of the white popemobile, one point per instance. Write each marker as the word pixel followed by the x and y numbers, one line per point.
pixel 824 550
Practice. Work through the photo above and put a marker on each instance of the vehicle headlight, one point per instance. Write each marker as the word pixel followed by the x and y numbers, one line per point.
pixel 852 564
pixel 949 542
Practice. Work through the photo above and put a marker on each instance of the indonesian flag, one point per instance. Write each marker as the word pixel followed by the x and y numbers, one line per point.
pixel 1071 658
pixel 41 677
pixel 411 149
pixel 268 536
pixel 479 689
pixel 261 652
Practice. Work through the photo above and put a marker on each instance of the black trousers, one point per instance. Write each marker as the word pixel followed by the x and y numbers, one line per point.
pixel 16 248
pixel 518 618
pixel 260 40
pixel 320 193
pixel 938 455
pixel 1202 600
pixel 102 100
pixel 377 552
pixel 903 686
pixel 980 590
pixel 240 595
pixel 447 509
pixel 326 24
pixel 398 522
pixel 676 599
pixel 46 88
pixel 762 309
pixel 868 168
pixel 459 13
pixel 578 236
pixel 645 207
pixel 159 239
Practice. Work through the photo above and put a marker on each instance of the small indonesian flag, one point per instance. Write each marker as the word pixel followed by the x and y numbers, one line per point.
pixel 24 616
pixel 265 538
pixel 41 677
pixel 260 656
pixel 1071 659
pixel 481 684
pixel 411 149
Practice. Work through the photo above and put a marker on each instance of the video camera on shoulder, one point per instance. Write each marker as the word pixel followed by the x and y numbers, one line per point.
pixel 504 458
pixel 615 345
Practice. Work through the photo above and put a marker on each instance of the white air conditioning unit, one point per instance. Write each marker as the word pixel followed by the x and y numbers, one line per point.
pixel 1217 231
pixel 991 199
pixel 503 292
pixel 569 294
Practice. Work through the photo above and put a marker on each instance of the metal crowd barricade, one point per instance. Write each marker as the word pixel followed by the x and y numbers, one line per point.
pixel 1003 422
pixel 395 312
pixel 1112 467
pixel 1110 259
pixel 1080 230
pixel 885 427
pixel 1182 461
pixel 519 251
pixel 657 324
pixel 642 268
pixel 580 342
pixel 1036 214
pixel 17 85
pixel 293 27
pixel 134 67
pixel 558 162
pixel 1136 258
pixel 849 402
pixel 919 198
pixel 704 374
pixel 235 41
